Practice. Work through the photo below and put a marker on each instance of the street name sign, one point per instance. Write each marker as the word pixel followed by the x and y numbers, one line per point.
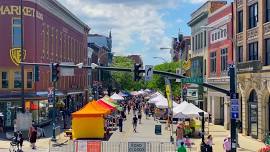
pixel 195 80
pixel 234 109
pixel 148 72
pixel 136 146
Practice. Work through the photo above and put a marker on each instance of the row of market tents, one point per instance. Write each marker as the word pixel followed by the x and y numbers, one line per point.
pixel 181 111
pixel 89 121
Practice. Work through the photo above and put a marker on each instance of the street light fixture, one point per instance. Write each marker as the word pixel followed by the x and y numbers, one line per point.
pixel 157 57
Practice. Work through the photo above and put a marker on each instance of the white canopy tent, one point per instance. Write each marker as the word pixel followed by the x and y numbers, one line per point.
pixel 178 109
pixel 164 104
pixel 134 93
pixel 157 98
pixel 188 109
pixel 193 111
pixel 115 96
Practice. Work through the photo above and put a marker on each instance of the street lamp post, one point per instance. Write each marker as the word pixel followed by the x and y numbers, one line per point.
pixel 233 90
pixel 22 60
pixel 99 70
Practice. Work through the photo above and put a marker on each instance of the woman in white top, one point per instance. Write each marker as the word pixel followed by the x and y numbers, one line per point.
pixel 209 143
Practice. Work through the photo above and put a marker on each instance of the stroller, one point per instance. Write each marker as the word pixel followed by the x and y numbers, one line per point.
pixel 16 142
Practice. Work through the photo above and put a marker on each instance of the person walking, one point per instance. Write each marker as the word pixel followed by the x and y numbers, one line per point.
pixel 32 135
pixel 209 143
pixel 128 107
pixel 134 122
pixel 120 123
pixel 227 144
pixel 182 148
pixel 140 117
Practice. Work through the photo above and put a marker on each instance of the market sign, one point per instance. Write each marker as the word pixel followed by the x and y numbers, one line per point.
pixel 15 55
pixel 195 80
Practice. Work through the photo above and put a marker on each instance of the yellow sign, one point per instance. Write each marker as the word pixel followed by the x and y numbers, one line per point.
pixel 15 55
pixel 187 65
pixel 168 93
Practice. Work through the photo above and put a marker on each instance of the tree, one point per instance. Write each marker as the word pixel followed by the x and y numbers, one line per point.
pixel 125 79
pixel 158 82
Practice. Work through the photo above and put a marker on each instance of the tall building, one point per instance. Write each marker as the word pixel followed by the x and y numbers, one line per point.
pixel 252 24
pixel 101 53
pixel 199 47
pixel 51 34
pixel 180 48
pixel 220 54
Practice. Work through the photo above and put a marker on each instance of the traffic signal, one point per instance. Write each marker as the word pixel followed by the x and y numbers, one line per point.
pixel 36 73
pixel 54 72
pixel 137 76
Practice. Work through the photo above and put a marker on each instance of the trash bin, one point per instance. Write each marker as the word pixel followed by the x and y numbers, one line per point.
pixel 158 129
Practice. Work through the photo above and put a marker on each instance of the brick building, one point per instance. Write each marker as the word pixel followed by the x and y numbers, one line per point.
pixel 220 54
pixel 252 24
pixel 199 48
pixel 51 34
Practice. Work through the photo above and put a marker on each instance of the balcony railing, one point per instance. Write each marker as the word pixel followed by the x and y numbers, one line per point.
pixel 249 66
pixel 252 34
pixel 266 28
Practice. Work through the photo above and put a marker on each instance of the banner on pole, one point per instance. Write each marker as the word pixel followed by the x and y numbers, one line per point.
pixel 168 92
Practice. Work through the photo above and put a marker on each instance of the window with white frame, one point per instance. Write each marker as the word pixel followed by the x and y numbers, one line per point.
pixel 219 34
pixel 224 58
pixel 213 62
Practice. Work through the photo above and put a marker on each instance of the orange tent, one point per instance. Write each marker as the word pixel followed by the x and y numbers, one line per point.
pixel 89 121
pixel 91 109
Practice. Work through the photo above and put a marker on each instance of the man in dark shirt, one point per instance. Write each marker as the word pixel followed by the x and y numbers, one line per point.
pixel 120 123
pixel 134 122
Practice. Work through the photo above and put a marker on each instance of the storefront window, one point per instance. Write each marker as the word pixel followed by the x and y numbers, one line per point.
pixel 40 111
pixel 4 80
pixel 16 33
pixel 17 80
pixel 29 79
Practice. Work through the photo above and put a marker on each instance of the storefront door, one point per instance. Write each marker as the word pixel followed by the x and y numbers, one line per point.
pixel 253 115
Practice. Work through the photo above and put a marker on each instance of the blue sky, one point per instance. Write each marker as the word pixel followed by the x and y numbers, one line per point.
pixel 138 26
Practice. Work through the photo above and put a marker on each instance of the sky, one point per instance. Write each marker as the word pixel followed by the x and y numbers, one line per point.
pixel 139 27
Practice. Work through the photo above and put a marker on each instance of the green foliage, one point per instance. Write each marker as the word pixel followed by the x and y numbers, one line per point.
pixel 158 82
pixel 125 79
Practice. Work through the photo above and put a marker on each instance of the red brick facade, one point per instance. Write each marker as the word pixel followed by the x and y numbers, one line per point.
pixel 221 19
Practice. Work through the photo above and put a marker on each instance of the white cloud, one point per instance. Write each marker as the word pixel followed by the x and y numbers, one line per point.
pixel 128 20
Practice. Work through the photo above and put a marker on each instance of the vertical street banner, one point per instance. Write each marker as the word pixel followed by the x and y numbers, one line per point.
pixel 168 92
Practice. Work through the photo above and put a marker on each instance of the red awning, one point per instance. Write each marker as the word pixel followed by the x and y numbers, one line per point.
pixel 104 104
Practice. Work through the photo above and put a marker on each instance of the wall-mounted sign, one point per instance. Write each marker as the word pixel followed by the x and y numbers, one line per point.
pixel 187 65
pixel 192 93
pixel 15 55
pixel 16 10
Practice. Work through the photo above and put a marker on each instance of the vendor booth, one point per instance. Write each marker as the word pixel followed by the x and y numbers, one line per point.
pixel 115 96
pixel 89 121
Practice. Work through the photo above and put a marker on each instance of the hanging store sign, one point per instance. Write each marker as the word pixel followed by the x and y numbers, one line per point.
pixel 15 55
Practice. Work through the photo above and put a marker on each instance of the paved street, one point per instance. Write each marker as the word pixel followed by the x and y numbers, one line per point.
pixel 145 133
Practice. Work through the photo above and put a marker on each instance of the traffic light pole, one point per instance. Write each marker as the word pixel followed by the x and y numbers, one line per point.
pixel 233 95
pixel 54 111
